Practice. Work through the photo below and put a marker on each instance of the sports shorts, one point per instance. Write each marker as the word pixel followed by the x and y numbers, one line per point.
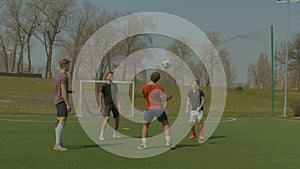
pixel 159 114
pixel 113 109
pixel 61 109
pixel 194 114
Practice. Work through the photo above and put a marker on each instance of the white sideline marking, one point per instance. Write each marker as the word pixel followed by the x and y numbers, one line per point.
pixel 293 120
pixel 32 121
pixel 231 119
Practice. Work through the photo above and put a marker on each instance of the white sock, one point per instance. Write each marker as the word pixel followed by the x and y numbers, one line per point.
pixel 168 139
pixel 58 132
pixel 115 132
pixel 101 134
pixel 144 140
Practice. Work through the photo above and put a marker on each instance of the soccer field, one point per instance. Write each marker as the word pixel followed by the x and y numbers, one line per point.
pixel 247 143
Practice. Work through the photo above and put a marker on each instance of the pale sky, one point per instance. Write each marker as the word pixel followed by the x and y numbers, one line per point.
pixel 229 18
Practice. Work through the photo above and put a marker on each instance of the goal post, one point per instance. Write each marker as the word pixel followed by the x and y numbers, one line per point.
pixel 123 92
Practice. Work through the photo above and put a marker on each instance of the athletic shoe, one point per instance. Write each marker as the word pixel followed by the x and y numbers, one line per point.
pixel 142 146
pixel 117 136
pixel 201 136
pixel 78 115
pixel 169 144
pixel 192 136
pixel 101 137
pixel 59 148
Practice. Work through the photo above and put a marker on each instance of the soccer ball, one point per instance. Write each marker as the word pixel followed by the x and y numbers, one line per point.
pixel 166 63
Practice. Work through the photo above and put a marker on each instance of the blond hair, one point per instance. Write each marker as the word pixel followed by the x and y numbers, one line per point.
pixel 63 62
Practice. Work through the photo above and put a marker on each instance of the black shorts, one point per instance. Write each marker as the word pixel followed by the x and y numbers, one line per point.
pixel 111 107
pixel 159 114
pixel 61 109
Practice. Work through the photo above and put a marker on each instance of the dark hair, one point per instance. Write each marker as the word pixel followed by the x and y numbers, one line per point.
pixel 196 81
pixel 109 73
pixel 155 76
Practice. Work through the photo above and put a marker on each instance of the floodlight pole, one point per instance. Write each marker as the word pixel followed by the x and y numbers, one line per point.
pixel 286 54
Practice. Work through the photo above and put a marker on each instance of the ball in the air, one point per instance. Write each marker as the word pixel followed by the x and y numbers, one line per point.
pixel 166 63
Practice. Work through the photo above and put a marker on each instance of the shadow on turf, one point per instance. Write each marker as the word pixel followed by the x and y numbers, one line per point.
pixel 216 137
pixel 177 146
pixel 195 145
pixel 82 147
pixel 90 146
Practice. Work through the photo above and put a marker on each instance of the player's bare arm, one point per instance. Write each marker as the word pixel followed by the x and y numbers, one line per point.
pixel 118 101
pixel 187 110
pixel 100 101
pixel 65 96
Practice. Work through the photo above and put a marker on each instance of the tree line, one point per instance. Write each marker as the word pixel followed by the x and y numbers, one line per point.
pixel 260 73
pixel 63 27
pixel 60 26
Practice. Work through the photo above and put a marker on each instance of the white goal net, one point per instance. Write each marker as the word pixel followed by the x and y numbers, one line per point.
pixel 90 89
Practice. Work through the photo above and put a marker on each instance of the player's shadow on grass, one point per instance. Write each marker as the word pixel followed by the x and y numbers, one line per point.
pixel 195 145
pixel 187 145
pixel 82 146
pixel 92 146
pixel 216 137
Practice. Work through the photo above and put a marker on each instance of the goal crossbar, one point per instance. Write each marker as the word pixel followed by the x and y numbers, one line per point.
pixel 103 81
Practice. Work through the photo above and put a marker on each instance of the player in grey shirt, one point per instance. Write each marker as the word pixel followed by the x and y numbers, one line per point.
pixel 196 98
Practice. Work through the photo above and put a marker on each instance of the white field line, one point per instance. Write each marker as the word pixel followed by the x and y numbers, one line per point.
pixel 293 120
pixel 32 121
pixel 231 119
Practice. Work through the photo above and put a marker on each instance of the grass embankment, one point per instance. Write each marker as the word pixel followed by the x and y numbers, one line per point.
pixel 36 96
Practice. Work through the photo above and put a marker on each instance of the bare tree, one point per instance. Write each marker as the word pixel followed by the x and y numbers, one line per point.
pixel 183 52
pixel 15 13
pixel 224 56
pixel 229 71
pixel 214 38
pixel 293 60
pixel 259 74
pixel 28 25
pixel 10 11
pixel 90 19
pixel 9 31
pixel 54 15
pixel 113 57
pixel 4 53
pixel 252 75
pixel 135 42
pixel 84 22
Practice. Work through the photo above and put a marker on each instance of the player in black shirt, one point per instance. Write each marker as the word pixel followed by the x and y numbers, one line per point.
pixel 109 92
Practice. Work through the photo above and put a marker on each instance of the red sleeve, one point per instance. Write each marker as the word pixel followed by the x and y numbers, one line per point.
pixel 143 90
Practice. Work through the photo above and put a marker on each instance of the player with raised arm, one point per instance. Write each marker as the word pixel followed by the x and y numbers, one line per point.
pixel 155 99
